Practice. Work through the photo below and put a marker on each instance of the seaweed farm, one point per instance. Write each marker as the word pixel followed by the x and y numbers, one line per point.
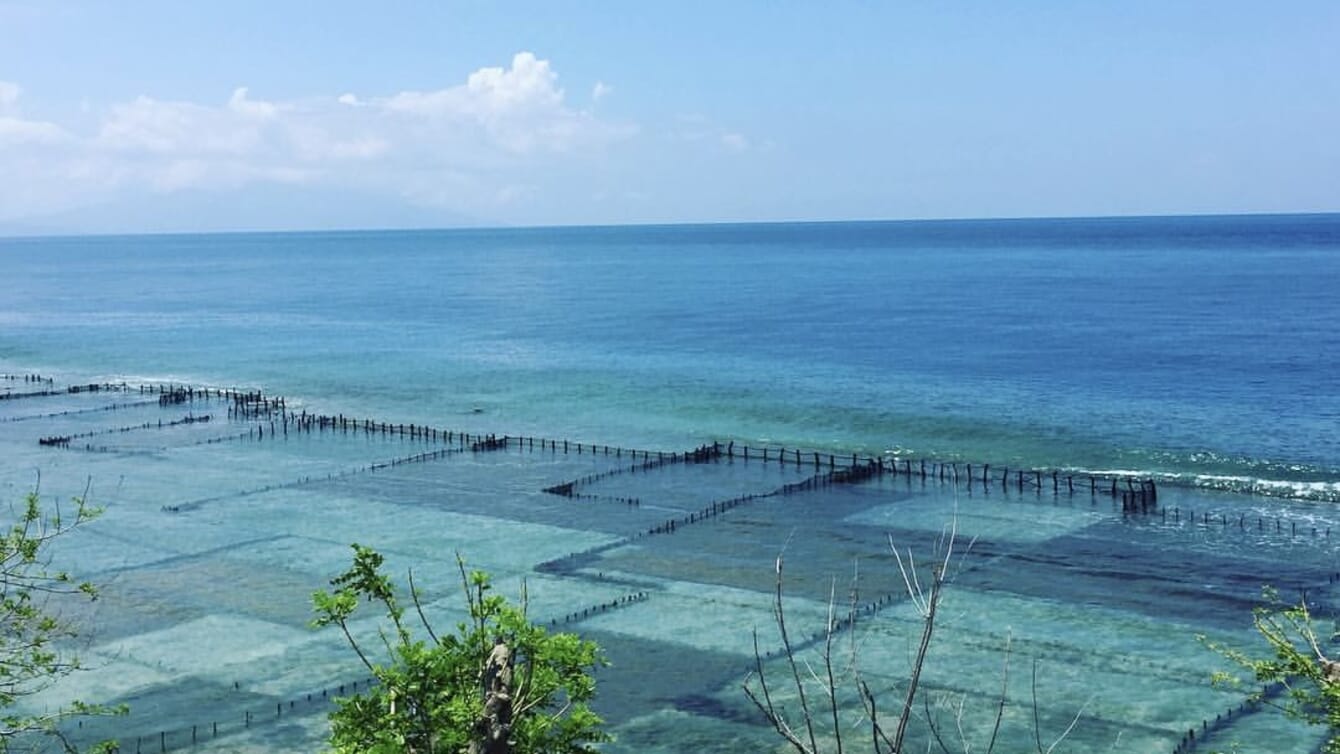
pixel 1077 598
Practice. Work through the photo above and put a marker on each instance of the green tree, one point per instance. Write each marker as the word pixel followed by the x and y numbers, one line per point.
pixel 34 639
pixel 1298 677
pixel 499 683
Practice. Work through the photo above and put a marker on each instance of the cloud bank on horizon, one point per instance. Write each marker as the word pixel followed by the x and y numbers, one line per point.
pixel 254 115
pixel 450 147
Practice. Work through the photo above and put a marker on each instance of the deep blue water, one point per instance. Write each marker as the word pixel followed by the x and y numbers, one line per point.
pixel 1200 349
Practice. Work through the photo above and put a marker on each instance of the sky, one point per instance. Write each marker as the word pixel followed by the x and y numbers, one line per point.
pixel 140 116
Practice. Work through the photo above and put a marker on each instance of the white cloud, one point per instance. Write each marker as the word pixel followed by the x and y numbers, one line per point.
pixel 467 146
pixel 364 148
pixel 600 91
pixel 196 173
pixel 695 127
pixel 9 95
pixel 177 128
pixel 18 131
pixel 251 108
pixel 518 109
pixel 315 144
pixel 15 131
pixel 734 141
pixel 528 86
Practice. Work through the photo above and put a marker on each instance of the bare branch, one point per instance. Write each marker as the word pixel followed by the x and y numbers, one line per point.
pixel 1073 722
pixel 418 607
pixel 1037 728
pixel 828 664
pixel 934 726
pixel 911 582
pixel 928 627
pixel 1004 691
pixel 780 614
pixel 766 706
pixel 877 732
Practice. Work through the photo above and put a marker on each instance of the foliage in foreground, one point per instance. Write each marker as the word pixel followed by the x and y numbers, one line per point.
pixel 32 634
pixel 1307 680
pixel 459 691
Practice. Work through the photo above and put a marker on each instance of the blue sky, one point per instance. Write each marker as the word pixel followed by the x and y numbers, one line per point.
pixel 267 115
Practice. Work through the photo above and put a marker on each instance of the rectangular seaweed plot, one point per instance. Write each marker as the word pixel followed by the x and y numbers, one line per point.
pixel 1127 683
pixel 504 484
pixel 220 545
pixel 685 487
pixel 1107 605
pixel 217 532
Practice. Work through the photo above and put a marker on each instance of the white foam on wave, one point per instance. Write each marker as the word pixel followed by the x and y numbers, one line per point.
pixel 1133 473
pixel 1317 491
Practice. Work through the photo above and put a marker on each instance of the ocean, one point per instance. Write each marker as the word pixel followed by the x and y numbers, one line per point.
pixel 1200 352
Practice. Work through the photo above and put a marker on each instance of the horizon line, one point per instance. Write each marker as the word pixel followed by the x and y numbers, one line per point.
pixel 672 224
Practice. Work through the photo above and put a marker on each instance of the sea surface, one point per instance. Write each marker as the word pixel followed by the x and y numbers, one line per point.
pixel 1200 352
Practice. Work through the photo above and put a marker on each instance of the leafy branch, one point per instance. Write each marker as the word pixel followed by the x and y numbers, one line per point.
pixel 34 636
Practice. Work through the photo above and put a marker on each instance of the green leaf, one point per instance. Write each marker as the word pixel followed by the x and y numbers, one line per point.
pixel 431 694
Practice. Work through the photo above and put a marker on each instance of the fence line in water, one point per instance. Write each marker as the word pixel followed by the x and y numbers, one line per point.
pixel 254 404
pixel 28 378
pixel 1137 496
pixel 52 390
pixel 188 736
pixel 64 440
pixel 1191 742
pixel 77 411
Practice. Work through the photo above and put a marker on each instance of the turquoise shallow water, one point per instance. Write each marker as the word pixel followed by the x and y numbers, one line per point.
pixel 215 536
pixel 1200 351
pixel 1203 349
